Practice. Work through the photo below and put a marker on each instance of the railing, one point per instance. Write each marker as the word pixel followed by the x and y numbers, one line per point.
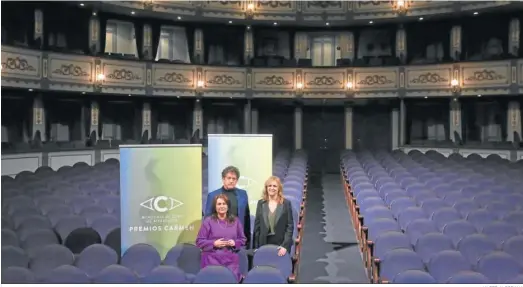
pixel 32 69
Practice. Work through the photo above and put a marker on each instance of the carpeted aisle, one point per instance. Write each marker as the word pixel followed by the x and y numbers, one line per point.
pixel 330 251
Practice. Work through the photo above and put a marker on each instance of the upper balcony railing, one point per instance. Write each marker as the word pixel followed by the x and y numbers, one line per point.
pixel 297 13
pixel 32 69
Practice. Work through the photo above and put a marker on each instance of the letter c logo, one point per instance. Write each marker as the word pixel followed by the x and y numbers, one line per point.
pixel 157 206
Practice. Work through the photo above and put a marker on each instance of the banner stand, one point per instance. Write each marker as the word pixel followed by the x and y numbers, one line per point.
pixel 160 195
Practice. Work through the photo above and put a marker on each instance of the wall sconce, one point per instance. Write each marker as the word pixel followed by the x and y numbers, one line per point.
pixel 454 85
pixel 400 7
pixel 199 87
pixel 99 81
pixel 249 11
pixel 348 88
pixel 299 89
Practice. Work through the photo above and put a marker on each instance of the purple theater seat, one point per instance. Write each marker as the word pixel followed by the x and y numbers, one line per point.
pixel 116 274
pixel 141 259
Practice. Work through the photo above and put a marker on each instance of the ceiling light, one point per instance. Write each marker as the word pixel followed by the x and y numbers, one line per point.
pixel 370 22
pixel 94 13
pixel 421 18
pixel 30 90
pixel 248 27
pixel 426 97
pixel 479 96
pixel 230 22
pixel 275 23
pixel 327 24
pixel 82 4
pixel 132 12
pixel 179 17
pixel 476 13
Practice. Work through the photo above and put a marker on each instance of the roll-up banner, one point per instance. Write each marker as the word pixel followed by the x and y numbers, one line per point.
pixel 160 195
pixel 251 154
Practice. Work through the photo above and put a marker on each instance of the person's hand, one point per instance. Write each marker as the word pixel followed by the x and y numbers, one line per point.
pixel 220 243
pixel 231 243
pixel 281 251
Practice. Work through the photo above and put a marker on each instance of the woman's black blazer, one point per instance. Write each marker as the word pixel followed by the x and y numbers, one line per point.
pixel 283 225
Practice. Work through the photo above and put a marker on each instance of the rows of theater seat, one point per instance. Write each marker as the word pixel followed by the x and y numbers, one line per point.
pixel 64 226
pixel 425 218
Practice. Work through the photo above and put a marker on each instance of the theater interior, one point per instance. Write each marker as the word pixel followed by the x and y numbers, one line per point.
pixel 396 132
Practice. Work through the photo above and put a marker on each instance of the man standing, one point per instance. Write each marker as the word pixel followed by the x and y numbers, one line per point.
pixel 239 201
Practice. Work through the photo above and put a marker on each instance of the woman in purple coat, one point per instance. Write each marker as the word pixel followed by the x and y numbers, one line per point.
pixel 221 237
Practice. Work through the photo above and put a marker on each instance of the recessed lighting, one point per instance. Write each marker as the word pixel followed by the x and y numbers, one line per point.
pixel 426 97
pixel 82 4
pixel 230 22
pixel 248 27
pixel 197 100
pixel 370 22
pixel 129 95
pixel 479 96
pixel 178 97
pixel 30 90
pixel 94 13
pixel 83 93
pixel 132 12
pixel 421 18
pixel 275 23
pixel 327 24
pixel 179 17
pixel 476 13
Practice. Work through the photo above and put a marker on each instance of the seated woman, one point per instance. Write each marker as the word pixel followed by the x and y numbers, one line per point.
pixel 274 223
pixel 221 237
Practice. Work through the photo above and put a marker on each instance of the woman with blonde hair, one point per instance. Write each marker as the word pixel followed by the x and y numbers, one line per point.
pixel 273 223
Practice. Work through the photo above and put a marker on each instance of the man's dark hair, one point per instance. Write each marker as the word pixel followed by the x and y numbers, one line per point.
pixel 232 169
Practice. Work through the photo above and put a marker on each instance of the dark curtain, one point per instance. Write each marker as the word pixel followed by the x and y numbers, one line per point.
pixel 138 32
pixel 103 29
pixel 292 35
pixel 77 35
pixel 157 30
pixel 29 12
pixel 189 33
pixel 19 21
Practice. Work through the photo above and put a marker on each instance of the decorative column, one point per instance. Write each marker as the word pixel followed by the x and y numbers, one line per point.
pixel 395 127
pixel 248 52
pixel 39 27
pixel 146 120
pixel 347 45
pixel 298 127
pixel 38 118
pixel 247 118
pixel 197 123
pixel 94 35
pixel 95 119
pixel 348 127
pixel 147 47
pixel 401 44
pixel 199 51
pixel 455 42
pixel 402 124
pixel 514 34
pixel 513 121
pixel 455 119
pixel 254 120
